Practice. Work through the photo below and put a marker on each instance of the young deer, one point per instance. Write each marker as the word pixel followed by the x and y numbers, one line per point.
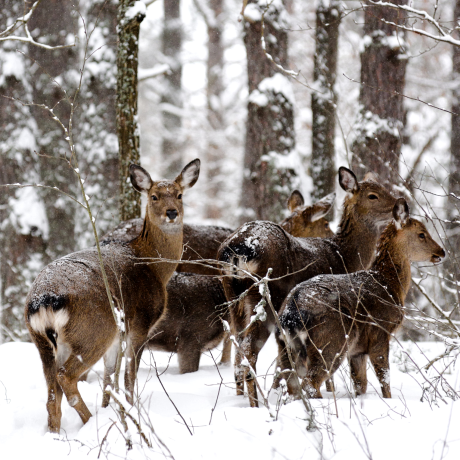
pixel 330 316
pixel 67 310
pixel 203 241
pixel 258 246
pixel 191 322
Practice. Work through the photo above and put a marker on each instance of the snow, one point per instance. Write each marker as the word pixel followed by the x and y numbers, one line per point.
pixel 278 84
pixel 221 423
pixel 29 213
pixel 138 8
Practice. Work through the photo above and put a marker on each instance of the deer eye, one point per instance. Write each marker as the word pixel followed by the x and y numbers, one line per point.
pixel 373 197
pixel 179 197
pixel 326 225
pixel 421 236
pixel 154 198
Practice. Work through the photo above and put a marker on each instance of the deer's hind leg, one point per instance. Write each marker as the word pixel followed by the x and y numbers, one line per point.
pixel 67 377
pixel 379 357
pixel 253 342
pixel 358 371
pixel 53 404
pixel 110 364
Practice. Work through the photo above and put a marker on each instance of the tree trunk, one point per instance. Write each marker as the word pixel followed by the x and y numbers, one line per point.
pixel 96 130
pixel 451 265
pixel 324 100
pixel 269 175
pixel 171 99
pixel 127 122
pixel 215 144
pixel 383 69
pixel 32 217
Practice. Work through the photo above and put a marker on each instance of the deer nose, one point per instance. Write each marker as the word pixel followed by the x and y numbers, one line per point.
pixel 171 213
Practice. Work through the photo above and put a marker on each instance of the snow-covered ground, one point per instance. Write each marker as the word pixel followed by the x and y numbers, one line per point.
pixel 220 424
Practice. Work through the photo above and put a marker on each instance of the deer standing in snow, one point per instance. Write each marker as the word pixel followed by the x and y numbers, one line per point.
pixel 331 316
pixel 67 309
pixel 258 246
pixel 192 321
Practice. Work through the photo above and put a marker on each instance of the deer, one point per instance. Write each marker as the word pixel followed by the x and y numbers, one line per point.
pixel 332 316
pixel 67 310
pixel 259 246
pixel 192 321
pixel 201 242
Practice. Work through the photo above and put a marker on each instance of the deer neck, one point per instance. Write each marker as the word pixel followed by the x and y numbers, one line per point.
pixel 392 264
pixel 356 243
pixel 153 242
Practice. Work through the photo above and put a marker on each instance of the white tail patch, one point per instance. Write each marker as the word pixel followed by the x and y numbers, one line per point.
pixel 46 318
pixel 250 266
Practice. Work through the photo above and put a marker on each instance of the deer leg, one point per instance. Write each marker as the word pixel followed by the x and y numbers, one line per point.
pixel 380 360
pixel 239 372
pixel 255 339
pixel 110 364
pixel 67 377
pixel 226 350
pixel 358 364
pixel 286 371
pixel 320 367
pixel 237 327
pixel 189 358
pixel 134 348
pixel 53 404
pixel 330 387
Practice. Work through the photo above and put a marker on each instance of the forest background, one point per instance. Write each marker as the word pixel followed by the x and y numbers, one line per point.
pixel 336 85
pixel 367 85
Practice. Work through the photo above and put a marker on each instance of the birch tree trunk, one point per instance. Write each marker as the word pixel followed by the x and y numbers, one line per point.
pixel 171 98
pixel 324 100
pixel 383 70
pixel 269 175
pixel 129 20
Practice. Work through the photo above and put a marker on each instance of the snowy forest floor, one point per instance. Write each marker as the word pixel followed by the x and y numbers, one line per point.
pixel 367 427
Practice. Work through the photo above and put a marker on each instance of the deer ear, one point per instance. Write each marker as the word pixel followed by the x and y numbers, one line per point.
pixel 347 180
pixel 401 212
pixel 371 176
pixel 295 200
pixel 140 178
pixel 189 175
pixel 322 207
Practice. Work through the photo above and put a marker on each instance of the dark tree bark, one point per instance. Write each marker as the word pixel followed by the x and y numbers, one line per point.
pixel 383 69
pixel 127 123
pixel 32 217
pixel 268 174
pixel 55 20
pixel 452 265
pixel 215 152
pixel 324 100
pixel 171 98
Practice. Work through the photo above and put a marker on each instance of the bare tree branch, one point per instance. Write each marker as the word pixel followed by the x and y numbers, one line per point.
pixel 7 34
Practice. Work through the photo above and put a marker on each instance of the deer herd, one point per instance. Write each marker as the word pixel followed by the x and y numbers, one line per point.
pixel 333 295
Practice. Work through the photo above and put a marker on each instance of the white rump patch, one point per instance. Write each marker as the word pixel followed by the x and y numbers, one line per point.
pixel 46 318
pixel 250 266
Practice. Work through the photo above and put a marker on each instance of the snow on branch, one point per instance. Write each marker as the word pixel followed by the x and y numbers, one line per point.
pixel 145 74
pixel 444 34
pixel 7 34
